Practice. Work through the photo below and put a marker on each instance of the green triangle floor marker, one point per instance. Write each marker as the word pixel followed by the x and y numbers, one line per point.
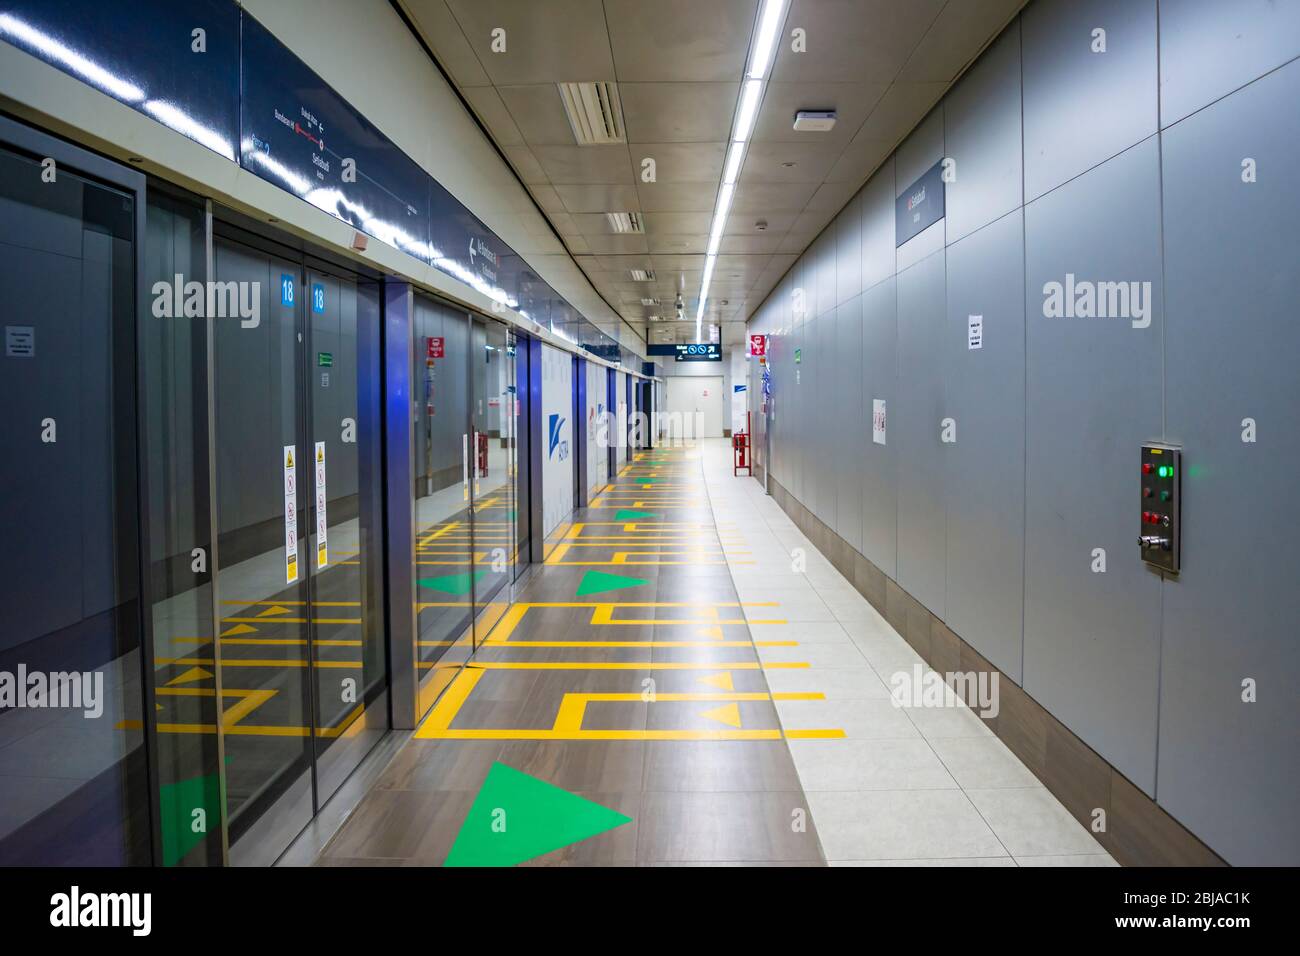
pixel 453 583
pixel 188 809
pixel 624 514
pixel 516 817
pixel 595 582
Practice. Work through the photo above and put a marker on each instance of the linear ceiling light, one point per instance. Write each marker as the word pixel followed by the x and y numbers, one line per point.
pixel 594 112
pixel 625 221
pixel 761 54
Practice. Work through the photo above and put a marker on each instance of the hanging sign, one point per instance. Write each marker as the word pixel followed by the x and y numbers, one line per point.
pixel 290 517
pixel 322 549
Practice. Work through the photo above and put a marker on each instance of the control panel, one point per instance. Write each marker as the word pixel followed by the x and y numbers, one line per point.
pixel 1161 527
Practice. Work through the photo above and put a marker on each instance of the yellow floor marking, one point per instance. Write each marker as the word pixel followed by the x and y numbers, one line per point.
pixel 239 629
pixel 728 714
pixel 239 603
pixel 721 681
pixel 713 632
pixel 274 611
pixel 290 620
pixel 490 642
pixel 625 665
pixel 193 674
pixel 453 698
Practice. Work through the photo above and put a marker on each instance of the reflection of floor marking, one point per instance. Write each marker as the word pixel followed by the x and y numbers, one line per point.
pixel 604 644
pixel 291 620
pixel 625 557
pixel 721 681
pixel 237 662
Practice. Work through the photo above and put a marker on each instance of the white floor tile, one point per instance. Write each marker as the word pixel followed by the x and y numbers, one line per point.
pixel 1032 822
pixel 869 765
pixel 901 825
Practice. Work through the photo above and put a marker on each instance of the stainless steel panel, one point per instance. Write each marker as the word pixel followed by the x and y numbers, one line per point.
pixel 914 425
pixel 848 251
pixel 849 427
pixel 1082 107
pixel 986 465
pixel 1230 770
pixel 1094 393
pixel 879 475
pixel 878 251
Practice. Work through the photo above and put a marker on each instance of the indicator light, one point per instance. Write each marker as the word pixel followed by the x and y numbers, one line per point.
pixel 1165 471
pixel 1146 468
pixel 1146 492
pixel 1165 496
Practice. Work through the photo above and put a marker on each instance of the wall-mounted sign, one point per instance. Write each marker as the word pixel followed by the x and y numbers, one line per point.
pixel 975 332
pixel 878 420
pixel 324 359
pixel 20 341
pixel 798 356
pixel 758 345
pixel 434 346
pixel 920 206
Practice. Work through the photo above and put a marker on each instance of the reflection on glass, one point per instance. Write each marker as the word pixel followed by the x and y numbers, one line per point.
pixel 444 572
pixel 73 779
pixel 493 467
pixel 263 482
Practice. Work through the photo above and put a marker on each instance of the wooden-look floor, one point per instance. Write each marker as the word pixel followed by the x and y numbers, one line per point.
pixel 627 672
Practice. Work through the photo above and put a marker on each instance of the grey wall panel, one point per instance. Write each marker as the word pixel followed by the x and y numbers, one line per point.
pixel 1083 107
pixel 877 199
pixel 982 133
pixel 848 251
pixel 914 425
pixel 1209 48
pixel 986 465
pixel 922 148
pixel 824 252
pixel 1092 639
pixel 879 475
pixel 851 426
pixel 921 246
pixel 1232 342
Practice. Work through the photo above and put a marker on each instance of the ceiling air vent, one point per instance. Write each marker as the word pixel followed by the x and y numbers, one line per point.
pixel 649 302
pixel 625 221
pixel 642 275
pixel 594 112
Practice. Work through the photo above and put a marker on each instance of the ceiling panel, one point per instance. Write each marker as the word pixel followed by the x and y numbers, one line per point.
pixel 491 109
pixel 804 162
pixel 746 223
pixel 678 244
pixel 678 112
pixel 900 110
pixel 859 159
pixel 681 162
pixel 760 244
pixel 602 245
pixel 853 41
pixel 566 165
pixel 558 40
pixel 679 40
pixel 772 197
pixel 442 32
pixel 525 163
pixel 953 40
pixel 677 197
pixel 538 114
pixel 599 198
pixel 677 223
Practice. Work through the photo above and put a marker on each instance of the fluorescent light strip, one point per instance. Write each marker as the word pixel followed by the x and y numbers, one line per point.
pixel 765 43
pixel 733 162
pixel 748 110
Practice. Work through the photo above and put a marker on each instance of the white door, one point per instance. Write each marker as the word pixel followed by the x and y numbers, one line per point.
pixel 696 400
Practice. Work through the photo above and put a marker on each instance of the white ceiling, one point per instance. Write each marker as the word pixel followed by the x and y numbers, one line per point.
pixel 880 64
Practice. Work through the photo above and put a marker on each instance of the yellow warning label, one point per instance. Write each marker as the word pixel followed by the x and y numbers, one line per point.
pixel 291 572
pixel 322 556
pixel 288 459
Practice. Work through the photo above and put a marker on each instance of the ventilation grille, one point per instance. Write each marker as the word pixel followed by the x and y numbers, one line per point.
pixel 625 221
pixel 649 302
pixel 594 112
pixel 642 275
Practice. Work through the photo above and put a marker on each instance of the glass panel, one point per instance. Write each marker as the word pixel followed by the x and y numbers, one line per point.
pixel 350 674
pixel 73 780
pixel 264 478
pixel 176 374
pixel 443 574
pixel 493 467
pixel 523 461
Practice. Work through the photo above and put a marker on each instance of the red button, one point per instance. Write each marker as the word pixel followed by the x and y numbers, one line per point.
pixel 1146 492
pixel 1147 468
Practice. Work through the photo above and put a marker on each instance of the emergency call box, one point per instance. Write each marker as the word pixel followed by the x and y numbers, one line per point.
pixel 1160 536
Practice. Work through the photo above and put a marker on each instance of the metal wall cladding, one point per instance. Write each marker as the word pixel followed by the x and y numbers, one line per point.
pixel 878 249
pixel 1094 387
pixel 1082 107
pixel 1231 343
pixel 848 251
pixel 985 473
pixel 1209 48
pixel 879 478
pixel 982 131
pixel 850 423
pixel 915 425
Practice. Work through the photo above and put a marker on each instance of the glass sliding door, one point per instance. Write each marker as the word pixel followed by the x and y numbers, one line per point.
pixel 519 347
pixel 74 782
pixel 444 568
pixel 350 685
pixel 492 382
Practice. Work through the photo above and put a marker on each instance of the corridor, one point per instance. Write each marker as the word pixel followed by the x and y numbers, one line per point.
pixel 712 691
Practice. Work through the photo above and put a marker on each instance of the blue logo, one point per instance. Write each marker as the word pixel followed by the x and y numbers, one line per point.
pixel 554 444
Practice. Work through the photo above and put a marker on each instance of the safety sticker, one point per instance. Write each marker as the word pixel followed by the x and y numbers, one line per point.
pixel 290 517
pixel 322 549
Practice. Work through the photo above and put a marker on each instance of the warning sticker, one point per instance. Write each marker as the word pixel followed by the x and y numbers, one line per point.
pixel 322 548
pixel 290 517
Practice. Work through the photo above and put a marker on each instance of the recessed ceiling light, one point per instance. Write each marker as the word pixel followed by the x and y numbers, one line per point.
pixel 642 275
pixel 648 302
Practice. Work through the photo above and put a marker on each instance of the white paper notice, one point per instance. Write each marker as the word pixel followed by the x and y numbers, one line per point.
pixel 878 420
pixel 290 517
pixel 322 548
pixel 975 332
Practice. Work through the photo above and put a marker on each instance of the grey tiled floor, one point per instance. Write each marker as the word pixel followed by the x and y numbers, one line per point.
pixel 907 786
